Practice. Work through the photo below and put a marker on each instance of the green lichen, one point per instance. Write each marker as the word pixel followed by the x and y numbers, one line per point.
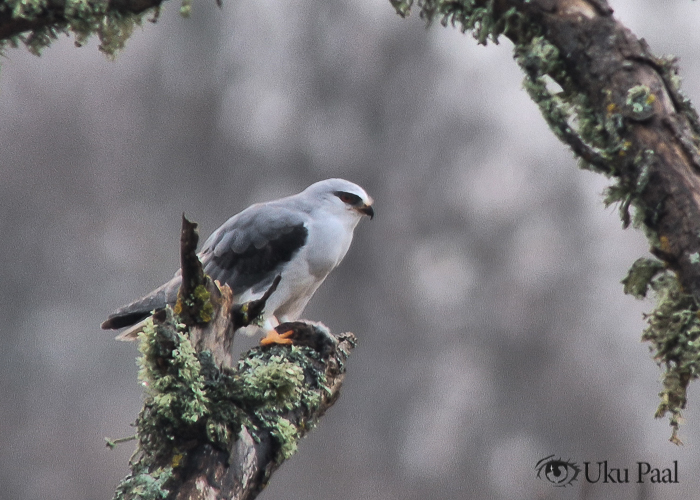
pixel 25 9
pixel 82 18
pixel 176 402
pixel 145 485
pixel 640 277
pixel 186 8
pixel 198 304
pixel 206 308
pixel 276 382
pixel 674 333
pixel 176 388
pixel 480 18
pixel 639 101
pixel 113 30
pixel 595 138
pixel 274 391
pixel 287 437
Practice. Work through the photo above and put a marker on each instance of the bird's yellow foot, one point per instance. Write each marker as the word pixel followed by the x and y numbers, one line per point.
pixel 277 338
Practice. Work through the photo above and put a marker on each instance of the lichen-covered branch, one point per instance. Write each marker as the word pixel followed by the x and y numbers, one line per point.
pixel 37 22
pixel 209 429
pixel 621 111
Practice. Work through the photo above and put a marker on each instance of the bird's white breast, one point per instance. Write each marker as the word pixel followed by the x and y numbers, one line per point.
pixel 329 241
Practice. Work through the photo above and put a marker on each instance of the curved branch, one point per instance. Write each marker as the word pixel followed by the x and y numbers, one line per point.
pixel 621 111
pixel 629 105
pixel 635 94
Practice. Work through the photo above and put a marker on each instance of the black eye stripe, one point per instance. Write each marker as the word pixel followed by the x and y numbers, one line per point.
pixel 349 198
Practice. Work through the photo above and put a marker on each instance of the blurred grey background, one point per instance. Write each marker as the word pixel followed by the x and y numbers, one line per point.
pixel 493 329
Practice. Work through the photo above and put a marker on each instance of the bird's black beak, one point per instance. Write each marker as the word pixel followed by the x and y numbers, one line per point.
pixel 367 210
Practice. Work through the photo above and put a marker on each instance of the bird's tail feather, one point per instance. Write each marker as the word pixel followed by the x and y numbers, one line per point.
pixel 135 312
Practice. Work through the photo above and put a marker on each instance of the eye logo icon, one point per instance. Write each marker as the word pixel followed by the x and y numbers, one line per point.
pixel 557 471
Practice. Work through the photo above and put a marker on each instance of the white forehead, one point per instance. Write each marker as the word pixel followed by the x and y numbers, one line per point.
pixel 333 185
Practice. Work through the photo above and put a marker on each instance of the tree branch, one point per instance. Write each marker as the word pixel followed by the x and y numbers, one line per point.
pixel 621 111
pixel 210 430
pixel 14 20
pixel 38 22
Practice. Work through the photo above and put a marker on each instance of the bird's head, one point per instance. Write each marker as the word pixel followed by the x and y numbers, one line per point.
pixel 341 196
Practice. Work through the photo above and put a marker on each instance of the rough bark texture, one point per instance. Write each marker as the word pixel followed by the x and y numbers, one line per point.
pixel 202 305
pixel 216 431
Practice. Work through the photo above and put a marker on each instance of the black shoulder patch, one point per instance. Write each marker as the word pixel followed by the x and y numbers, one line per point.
pixel 256 266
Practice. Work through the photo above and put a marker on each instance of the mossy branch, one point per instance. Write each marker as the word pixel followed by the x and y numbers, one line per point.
pixel 36 23
pixel 212 430
pixel 621 111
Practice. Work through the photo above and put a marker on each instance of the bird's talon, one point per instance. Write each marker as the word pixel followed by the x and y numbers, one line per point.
pixel 273 337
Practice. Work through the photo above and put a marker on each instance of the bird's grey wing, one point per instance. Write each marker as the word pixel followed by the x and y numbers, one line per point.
pixel 251 248
pixel 247 251
pixel 140 309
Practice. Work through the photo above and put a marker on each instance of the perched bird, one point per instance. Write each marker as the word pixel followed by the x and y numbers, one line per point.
pixel 300 238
